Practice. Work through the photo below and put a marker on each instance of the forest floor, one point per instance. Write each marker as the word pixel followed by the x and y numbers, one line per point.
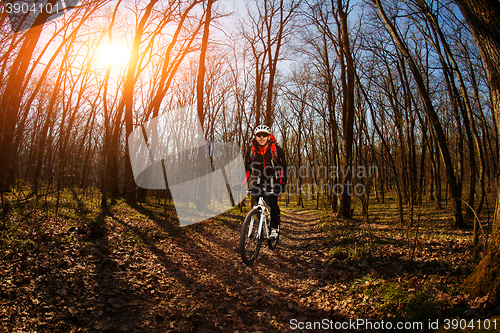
pixel 128 269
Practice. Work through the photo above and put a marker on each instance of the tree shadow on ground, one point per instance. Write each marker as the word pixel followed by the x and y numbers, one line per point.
pixel 204 266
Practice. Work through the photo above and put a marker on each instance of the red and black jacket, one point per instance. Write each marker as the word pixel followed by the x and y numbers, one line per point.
pixel 261 162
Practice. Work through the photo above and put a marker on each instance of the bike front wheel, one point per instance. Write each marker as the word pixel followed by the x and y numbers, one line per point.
pixel 250 244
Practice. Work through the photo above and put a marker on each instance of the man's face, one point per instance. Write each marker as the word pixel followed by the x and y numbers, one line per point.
pixel 262 138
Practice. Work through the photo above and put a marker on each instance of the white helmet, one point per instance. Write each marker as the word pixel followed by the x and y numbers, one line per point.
pixel 262 129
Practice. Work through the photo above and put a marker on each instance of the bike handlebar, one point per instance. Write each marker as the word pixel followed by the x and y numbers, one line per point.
pixel 252 191
pixel 239 187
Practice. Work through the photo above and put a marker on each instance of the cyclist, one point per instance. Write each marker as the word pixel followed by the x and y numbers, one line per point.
pixel 265 161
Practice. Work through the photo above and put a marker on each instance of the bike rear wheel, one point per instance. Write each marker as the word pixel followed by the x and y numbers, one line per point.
pixel 250 245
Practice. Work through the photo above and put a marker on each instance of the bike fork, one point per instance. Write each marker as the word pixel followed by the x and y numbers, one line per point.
pixel 250 228
pixel 263 226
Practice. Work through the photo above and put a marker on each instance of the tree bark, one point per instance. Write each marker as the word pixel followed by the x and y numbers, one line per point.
pixel 11 102
pixel 200 83
pixel 347 112
pixel 468 121
pixel 483 18
pixel 433 117
pixel 126 106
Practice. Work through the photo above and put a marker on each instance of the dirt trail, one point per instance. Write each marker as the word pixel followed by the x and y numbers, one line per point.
pixel 144 276
pixel 280 286
pixel 140 273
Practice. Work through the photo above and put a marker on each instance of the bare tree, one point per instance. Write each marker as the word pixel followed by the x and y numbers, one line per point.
pixel 270 28
pixel 431 113
pixel 483 18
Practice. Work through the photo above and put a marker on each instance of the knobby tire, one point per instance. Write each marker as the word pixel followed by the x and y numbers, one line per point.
pixel 250 246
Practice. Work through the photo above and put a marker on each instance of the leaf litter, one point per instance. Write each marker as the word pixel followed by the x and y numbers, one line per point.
pixel 134 271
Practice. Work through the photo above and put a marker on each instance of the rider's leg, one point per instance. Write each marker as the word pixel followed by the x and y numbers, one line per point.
pixel 275 210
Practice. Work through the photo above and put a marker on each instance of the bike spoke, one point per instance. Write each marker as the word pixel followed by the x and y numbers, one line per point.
pixel 249 241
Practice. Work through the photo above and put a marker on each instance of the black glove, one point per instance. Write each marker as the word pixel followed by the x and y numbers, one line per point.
pixel 279 188
pixel 256 191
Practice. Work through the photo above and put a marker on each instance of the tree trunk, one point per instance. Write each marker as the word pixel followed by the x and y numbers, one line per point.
pixel 200 84
pixel 130 187
pixel 347 112
pixel 11 102
pixel 202 69
pixel 473 136
pixel 483 18
pixel 433 117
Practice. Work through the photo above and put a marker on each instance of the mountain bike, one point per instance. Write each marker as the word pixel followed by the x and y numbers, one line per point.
pixel 256 228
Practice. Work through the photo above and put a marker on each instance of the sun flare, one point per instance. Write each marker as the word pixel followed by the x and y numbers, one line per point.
pixel 114 54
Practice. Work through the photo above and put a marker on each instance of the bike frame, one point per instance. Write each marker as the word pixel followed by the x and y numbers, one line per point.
pixel 250 237
pixel 262 206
